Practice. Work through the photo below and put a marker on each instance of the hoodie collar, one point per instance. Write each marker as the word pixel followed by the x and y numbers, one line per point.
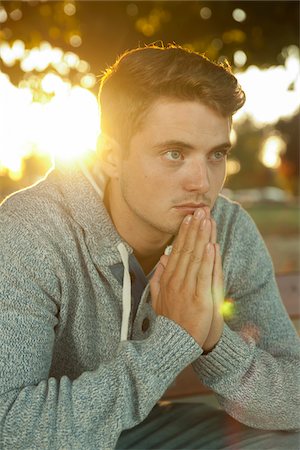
pixel 86 207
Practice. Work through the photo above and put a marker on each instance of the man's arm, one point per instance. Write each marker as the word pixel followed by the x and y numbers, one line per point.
pixel 38 411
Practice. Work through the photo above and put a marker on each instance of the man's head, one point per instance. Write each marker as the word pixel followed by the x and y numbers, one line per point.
pixel 166 121
pixel 141 76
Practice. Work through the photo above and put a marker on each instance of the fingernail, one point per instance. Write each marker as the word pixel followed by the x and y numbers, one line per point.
pixel 187 219
pixel 203 224
pixel 199 213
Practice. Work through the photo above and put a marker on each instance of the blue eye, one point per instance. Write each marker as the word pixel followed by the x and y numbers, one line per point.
pixel 219 155
pixel 173 155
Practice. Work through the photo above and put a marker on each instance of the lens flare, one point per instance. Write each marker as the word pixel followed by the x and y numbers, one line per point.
pixel 228 308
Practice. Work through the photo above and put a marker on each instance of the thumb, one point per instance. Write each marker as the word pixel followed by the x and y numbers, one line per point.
pixel 155 280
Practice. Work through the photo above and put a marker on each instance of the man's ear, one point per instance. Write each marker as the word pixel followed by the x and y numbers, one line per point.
pixel 110 153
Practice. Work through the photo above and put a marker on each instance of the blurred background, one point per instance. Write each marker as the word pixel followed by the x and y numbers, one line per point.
pixel 53 52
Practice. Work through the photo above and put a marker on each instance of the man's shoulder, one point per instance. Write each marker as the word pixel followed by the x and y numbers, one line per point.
pixel 226 208
pixel 33 202
pixel 36 210
pixel 230 216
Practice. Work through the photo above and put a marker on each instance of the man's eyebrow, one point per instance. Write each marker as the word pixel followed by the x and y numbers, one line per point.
pixel 174 143
pixel 223 146
pixel 177 143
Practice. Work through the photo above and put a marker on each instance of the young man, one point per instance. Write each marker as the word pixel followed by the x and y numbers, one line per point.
pixel 88 346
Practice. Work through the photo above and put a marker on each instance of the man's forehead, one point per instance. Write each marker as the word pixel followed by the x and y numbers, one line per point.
pixel 177 119
pixel 175 110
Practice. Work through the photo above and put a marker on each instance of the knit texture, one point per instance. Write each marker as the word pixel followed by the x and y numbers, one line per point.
pixel 66 380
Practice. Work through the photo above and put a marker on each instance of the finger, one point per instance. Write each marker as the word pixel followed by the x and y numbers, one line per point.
pixel 184 243
pixel 178 242
pixel 189 250
pixel 155 280
pixel 164 260
pixel 197 256
pixel 213 236
pixel 207 211
pixel 205 274
pixel 217 280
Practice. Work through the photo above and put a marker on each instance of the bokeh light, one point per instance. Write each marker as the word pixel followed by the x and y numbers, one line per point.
pixel 132 9
pixel 75 40
pixel 273 146
pixel 233 167
pixel 205 13
pixel 151 24
pixel 69 9
pixel 16 14
pixel 239 15
pixel 239 58
pixel 3 15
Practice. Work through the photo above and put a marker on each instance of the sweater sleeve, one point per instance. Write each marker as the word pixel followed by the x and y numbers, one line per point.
pixel 38 411
pixel 254 369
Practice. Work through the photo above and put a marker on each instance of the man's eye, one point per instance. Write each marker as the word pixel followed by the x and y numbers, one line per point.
pixel 174 155
pixel 219 155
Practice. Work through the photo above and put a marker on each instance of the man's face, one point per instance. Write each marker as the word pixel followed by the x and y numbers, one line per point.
pixel 175 163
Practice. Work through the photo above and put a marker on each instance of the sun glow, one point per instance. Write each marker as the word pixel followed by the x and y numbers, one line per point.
pixel 64 127
pixel 45 114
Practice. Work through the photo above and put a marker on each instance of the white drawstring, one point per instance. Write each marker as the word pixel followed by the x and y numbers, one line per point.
pixel 168 250
pixel 126 294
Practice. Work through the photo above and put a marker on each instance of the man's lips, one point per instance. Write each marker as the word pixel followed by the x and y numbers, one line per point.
pixel 189 208
pixel 191 205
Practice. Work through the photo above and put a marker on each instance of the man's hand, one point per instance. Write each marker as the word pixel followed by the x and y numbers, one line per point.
pixel 181 286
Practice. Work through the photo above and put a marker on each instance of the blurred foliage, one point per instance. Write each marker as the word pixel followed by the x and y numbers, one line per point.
pixel 269 218
pixel 288 173
pixel 253 172
pixel 107 28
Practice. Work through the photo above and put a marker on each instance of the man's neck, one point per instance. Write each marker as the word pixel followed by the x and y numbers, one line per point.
pixel 147 245
pixel 148 262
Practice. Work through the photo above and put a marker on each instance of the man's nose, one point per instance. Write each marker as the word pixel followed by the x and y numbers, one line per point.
pixel 197 178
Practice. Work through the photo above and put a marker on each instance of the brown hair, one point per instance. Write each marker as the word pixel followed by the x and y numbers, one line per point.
pixel 140 76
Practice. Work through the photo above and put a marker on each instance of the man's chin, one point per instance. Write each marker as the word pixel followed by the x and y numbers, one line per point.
pixel 172 228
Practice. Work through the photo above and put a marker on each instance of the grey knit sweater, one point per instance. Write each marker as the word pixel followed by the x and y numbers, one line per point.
pixel 66 379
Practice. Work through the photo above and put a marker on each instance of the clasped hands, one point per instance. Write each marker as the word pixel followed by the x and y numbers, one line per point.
pixel 187 286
